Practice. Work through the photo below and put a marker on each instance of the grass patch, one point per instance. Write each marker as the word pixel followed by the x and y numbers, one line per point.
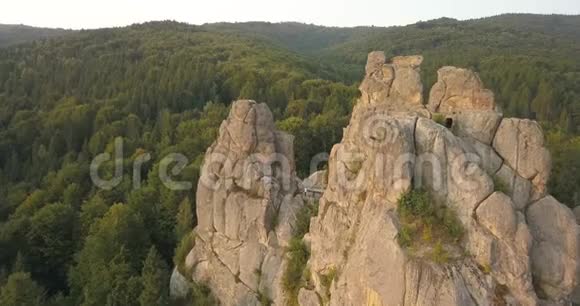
pixel 201 295
pixel 485 268
pixel 439 254
pixel 439 119
pixel 327 278
pixel 406 235
pixel 500 185
pixel 302 225
pixel 294 278
pixel 427 229
pixel 264 299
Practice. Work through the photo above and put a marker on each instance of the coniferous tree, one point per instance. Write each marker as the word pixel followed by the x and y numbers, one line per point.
pixel 155 280
pixel 19 264
pixel 21 290
pixel 125 285
pixel 51 239
pixel 184 219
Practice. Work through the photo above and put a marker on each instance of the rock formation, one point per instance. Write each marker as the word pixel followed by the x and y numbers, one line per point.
pixel 491 171
pixel 397 84
pixel 459 90
pixel 247 198
pixel 519 244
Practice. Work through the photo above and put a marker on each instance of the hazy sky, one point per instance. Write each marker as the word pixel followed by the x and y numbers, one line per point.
pixel 78 14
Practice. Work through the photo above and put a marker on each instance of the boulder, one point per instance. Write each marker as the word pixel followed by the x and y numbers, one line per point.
pixel 480 126
pixel 555 249
pixel 520 142
pixel 518 188
pixel 180 287
pixel 396 84
pixel 407 84
pixel 497 215
pixel 459 90
pixel 486 158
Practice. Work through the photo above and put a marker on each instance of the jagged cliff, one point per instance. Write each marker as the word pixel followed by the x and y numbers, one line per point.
pixel 519 245
pixel 247 197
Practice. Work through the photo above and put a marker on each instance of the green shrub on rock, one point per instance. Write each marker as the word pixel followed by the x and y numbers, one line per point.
pixel 427 228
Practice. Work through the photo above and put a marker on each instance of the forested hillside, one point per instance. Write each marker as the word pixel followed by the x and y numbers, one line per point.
pixel 165 87
pixel 17 34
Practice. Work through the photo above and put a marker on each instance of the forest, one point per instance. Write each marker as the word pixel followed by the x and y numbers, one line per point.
pixel 165 87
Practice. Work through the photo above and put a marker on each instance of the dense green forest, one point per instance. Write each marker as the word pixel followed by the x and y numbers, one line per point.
pixel 165 87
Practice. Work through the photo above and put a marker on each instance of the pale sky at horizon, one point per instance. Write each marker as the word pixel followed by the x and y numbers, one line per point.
pixel 111 13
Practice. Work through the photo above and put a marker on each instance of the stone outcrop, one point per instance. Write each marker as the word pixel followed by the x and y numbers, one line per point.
pixel 521 143
pixel 398 82
pixel 492 171
pixel 554 255
pixel 519 244
pixel 459 90
pixel 247 198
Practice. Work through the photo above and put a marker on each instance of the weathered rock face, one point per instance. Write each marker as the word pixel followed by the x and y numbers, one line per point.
pixel 512 256
pixel 554 254
pixel 519 247
pixel 396 85
pixel 521 143
pixel 247 197
pixel 458 90
pixel 317 180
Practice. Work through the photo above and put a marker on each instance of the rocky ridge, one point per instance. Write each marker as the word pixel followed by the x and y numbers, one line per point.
pixel 520 245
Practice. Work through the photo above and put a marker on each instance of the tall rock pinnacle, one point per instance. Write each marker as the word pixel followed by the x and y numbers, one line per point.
pixel 510 253
pixel 247 198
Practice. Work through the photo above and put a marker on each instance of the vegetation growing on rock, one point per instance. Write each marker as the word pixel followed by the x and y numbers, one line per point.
pixel 295 277
pixel 439 118
pixel 500 185
pixel 427 229
pixel 201 295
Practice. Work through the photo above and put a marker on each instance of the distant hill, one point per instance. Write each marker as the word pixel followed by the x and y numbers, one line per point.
pixel 514 53
pixel 17 34
pixel 310 39
pixel 563 26
pixel 299 37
